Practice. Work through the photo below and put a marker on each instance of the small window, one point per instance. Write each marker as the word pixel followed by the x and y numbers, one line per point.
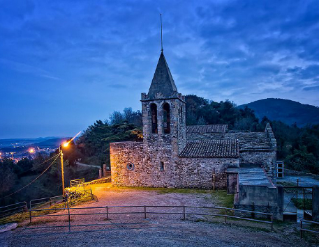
pixel 130 166
pixel 162 166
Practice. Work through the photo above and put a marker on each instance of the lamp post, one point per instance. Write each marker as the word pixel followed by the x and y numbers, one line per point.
pixel 65 144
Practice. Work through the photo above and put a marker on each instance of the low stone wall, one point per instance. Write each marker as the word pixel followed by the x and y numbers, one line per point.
pixel 261 198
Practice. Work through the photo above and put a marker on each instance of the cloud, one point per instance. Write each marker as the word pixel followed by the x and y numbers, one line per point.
pixel 25 68
pixel 105 52
pixel 315 88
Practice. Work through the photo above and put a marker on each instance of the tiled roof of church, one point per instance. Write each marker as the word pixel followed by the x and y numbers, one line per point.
pixel 252 140
pixel 211 149
pixel 162 82
pixel 202 129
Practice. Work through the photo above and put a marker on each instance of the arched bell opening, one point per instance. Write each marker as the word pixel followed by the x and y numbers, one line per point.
pixel 166 119
pixel 154 118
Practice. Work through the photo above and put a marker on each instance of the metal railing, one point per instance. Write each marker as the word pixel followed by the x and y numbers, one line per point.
pixel 45 201
pixel 8 210
pixel 302 225
pixel 145 211
pixel 76 182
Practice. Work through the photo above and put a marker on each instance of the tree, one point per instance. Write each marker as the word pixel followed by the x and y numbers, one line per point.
pixel 301 160
pixel 116 118
pixel 7 176
pixel 23 166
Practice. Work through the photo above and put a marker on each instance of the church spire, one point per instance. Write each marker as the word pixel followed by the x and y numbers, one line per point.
pixel 163 84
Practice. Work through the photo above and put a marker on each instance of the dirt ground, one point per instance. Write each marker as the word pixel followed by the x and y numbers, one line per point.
pixel 132 229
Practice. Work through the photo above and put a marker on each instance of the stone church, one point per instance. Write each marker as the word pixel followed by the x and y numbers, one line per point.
pixel 173 154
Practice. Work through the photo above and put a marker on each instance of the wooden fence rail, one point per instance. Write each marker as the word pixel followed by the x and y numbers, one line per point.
pixel 146 211
pixel 302 225
pixel 13 209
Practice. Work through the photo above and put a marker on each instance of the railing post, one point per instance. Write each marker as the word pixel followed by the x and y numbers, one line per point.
pixel 144 212
pixel 272 222
pixel 91 194
pixel 107 212
pixel 184 213
pixel 304 201
pixel 30 212
pixel 300 228
pixel 69 216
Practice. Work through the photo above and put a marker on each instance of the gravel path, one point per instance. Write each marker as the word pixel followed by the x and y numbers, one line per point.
pixel 134 230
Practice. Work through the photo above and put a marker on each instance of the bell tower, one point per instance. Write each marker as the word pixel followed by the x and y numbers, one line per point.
pixel 163 109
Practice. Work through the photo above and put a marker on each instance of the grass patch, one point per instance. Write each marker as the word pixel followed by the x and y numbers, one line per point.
pixel 302 204
pixel 283 183
pixel 165 190
pixel 223 199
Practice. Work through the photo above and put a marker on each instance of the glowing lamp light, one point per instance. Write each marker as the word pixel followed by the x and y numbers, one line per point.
pixel 31 150
pixel 65 144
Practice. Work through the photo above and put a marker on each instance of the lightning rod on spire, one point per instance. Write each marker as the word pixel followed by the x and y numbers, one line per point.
pixel 161 33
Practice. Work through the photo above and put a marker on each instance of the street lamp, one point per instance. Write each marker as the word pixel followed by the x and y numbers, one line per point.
pixel 65 144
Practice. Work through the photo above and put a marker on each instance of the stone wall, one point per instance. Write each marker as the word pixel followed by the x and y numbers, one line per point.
pixel 121 155
pixel 156 166
pixel 265 158
pixel 198 172
pixel 177 135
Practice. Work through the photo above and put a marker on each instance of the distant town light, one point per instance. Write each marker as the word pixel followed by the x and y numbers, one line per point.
pixel 31 150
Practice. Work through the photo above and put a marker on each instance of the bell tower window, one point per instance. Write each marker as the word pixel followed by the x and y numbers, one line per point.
pixel 166 118
pixel 154 118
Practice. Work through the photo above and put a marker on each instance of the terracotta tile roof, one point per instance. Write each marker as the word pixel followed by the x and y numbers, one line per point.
pixel 202 129
pixel 251 140
pixel 211 149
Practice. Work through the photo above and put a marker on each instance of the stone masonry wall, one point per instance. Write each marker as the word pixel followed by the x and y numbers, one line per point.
pixel 177 173
pixel 122 154
pixel 177 135
pixel 264 158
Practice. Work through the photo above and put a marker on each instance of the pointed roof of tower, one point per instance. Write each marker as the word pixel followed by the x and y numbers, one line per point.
pixel 163 84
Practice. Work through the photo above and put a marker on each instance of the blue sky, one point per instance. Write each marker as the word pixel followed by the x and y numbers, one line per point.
pixel 65 64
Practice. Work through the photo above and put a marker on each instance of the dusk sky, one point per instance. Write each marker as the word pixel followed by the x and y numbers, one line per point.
pixel 65 64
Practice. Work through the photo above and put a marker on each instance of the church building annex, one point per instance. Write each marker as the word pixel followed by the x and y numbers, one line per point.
pixel 173 154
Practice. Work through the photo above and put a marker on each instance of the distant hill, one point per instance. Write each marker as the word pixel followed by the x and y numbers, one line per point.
pixel 287 111
pixel 42 142
pixel 51 143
